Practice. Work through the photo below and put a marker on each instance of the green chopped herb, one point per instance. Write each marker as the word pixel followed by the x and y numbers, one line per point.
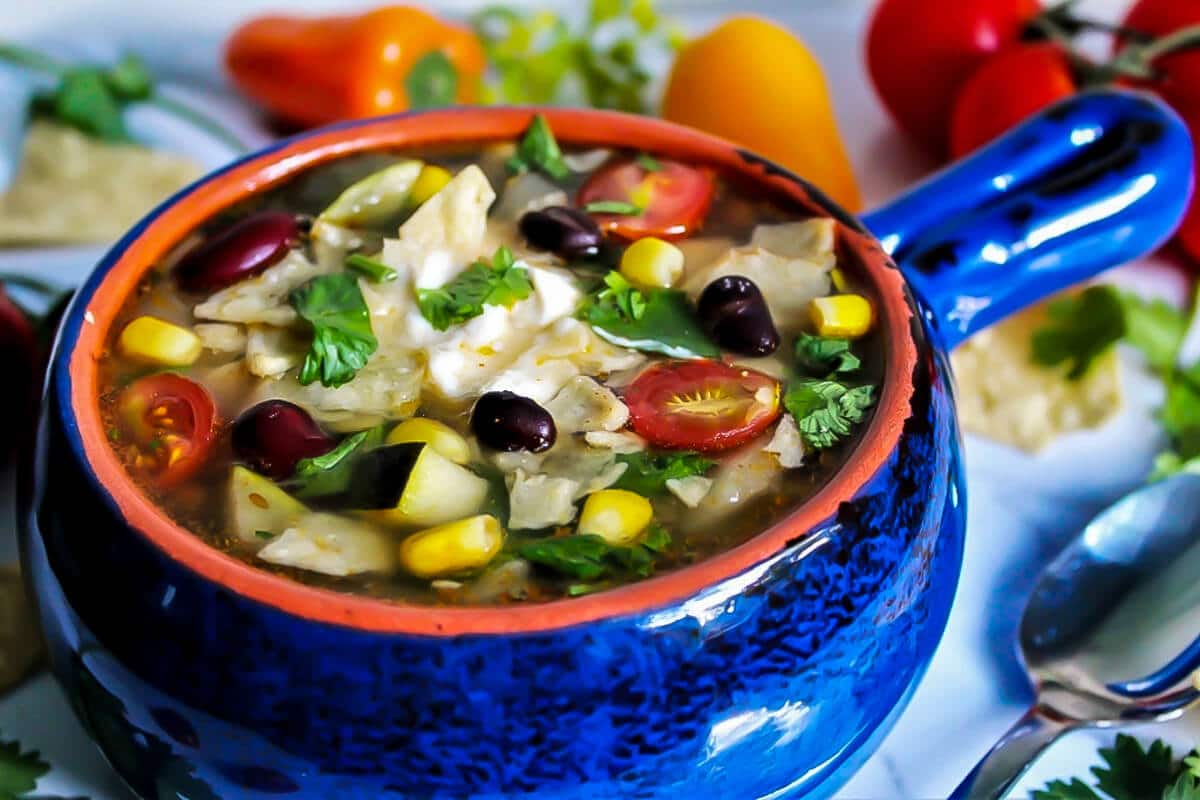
pixel 375 271
pixel 330 473
pixel 647 473
pixel 342 340
pixel 588 557
pixel 84 101
pixel 538 150
pixel 264 534
pixel 649 162
pixel 432 82
pixel 826 411
pixel 658 321
pixel 613 207
pixel 499 283
pixel 1130 772
pixel 619 299
pixel 820 356
pixel 129 79
pixel 581 589
pixel 19 769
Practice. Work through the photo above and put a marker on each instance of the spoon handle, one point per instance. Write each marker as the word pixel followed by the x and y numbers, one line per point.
pixel 998 771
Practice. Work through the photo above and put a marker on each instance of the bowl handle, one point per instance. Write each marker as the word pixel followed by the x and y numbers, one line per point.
pixel 1097 180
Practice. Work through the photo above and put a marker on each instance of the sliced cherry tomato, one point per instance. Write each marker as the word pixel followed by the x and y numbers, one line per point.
pixel 921 52
pixel 1007 90
pixel 172 423
pixel 701 405
pixel 673 199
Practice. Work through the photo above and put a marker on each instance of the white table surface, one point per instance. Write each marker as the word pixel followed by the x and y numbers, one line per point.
pixel 1022 508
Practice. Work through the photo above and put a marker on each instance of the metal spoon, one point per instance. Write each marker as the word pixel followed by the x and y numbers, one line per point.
pixel 1100 636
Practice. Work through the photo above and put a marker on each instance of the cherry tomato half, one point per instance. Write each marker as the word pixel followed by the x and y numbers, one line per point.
pixel 673 199
pixel 172 423
pixel 1006 91
pixel 921 52
pixel 701 405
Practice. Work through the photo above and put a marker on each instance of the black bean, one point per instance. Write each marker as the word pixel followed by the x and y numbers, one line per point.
pixel 566 232
pixel 736 317
pixel 507 422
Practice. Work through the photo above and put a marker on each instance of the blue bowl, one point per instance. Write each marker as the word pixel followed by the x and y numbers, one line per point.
pixel 770 671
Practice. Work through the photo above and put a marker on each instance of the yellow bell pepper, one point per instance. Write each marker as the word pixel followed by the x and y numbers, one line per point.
pixel 756 84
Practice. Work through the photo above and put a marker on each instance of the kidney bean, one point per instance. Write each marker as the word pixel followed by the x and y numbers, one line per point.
pixel 274 435
pixel 241 251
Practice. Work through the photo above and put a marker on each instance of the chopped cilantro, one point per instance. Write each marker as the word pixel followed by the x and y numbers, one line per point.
pixel 342 340
pixel 826 411
pixel 613 207
pixel 619 299
pixel 329 473
pixel 19 770
pixel 375 271
pixel 264 534
pixel 649 162
pixel 499 283
pixel 1131 772
pixel 588 557
pixel 658 321
pixel 818 355
pixel 538 150
pixel 648 473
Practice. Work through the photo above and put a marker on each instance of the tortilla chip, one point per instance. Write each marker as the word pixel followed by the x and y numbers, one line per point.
pixel 74 189
pixel 1004 396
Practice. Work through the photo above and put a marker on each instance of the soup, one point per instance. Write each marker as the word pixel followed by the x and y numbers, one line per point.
pixel 509 374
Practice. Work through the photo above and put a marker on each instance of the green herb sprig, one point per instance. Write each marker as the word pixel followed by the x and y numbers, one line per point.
pixel 588 557
pixel 826 411
pixel 330 473
pixel 1130 772
pixel 538 150
pixel 647 473
pixel 370 268
pixel 20 770
pixel 497 283
pixel 657 321
pixel 342 340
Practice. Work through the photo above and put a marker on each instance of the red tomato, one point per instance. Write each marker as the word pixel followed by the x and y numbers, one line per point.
pixel 701 405
pixel 1007 90
pixel 921 52
pixel 173 424
pixel 673 198
pixel 1188 234
pixel 1180 72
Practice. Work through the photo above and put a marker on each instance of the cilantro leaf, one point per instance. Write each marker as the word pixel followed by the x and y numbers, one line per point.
pixel 1058 790
pixel 613 207
pixel 19 770
pixel 647 473
pixel 1080 329
pixel 538 150
pixel 342 340
pixel 1133 773
pixel 826 411
pixel 432 82
pixel 648 162
pixel 84 101
pixel 588 557
pixel 330 473
pixel 1154 327
pixel 500 283
pixel 1185 787
pixel 658 321
pixel 1180 413
pixel 374 271
pixel 129 79
pixel 818 355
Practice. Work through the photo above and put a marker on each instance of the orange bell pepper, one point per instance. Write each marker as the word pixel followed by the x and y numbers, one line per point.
pixel 756 84
pixel 312 71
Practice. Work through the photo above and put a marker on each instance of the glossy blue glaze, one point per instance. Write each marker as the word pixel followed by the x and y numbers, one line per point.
pixel 1098 180
pixel 777 682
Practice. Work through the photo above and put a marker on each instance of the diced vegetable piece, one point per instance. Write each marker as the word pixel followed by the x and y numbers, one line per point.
pixel 619 442
pixel 690 490
pixel 332 544
pixel 438 435
pixel 431 181
pixel 584 405
pixel 221 337
pixel 376 198
pixel 846 316
pixel 451 548
pixel 256 504
pixel 787 444
pixel 615 515
pixel 156 341
pixel 437 491
pixel 652 262
pixel 540 501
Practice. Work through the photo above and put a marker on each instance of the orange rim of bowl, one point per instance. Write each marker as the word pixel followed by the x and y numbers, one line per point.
pixel 172 222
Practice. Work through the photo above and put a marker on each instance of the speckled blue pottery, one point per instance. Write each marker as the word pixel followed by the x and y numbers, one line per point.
pixel 770 671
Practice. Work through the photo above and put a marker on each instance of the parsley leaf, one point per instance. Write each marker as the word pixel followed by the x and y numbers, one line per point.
pixel 648 473
pixel 613 207
pixel 1131 773
pixel 500 283
pixel 432 82
pixel 1154 327
pixel 588 557
pixel 1058 790
pixel 1080 329
pixel 538 150
pixel 372 270
pixel 818 355
pixel 658 321
pixel 826 411
pixel 648 162
pixel 1186 787
pixel 342 340
pixel 264 534
pixel 84 101
pixel 330 473
pixel 19 771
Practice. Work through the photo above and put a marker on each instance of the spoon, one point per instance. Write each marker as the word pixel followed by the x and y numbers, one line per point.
pixel 1100 636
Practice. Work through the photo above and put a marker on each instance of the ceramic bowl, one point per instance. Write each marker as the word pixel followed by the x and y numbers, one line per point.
pixel 771 670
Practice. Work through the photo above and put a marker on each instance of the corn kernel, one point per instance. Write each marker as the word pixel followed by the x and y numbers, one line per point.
pixel 431 181
pixel 839 280
pixel 158 342
pixel 615 515
pixel 451 548
pixel 652 262
pixel 438 435
pixel 842 316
